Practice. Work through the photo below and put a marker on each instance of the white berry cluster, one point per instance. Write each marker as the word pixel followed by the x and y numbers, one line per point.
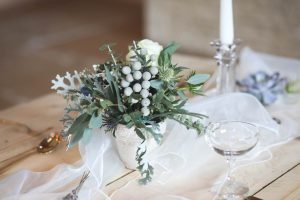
pixel 136 79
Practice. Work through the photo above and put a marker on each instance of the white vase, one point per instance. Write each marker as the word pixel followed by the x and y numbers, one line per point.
pixel 128 141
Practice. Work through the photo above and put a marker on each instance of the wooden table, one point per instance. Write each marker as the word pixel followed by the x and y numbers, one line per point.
pixel 277 179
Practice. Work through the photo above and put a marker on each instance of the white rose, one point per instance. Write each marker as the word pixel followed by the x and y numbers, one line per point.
pixel 153 48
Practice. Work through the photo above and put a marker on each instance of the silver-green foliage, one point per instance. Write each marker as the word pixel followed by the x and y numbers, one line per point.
pixel 100 102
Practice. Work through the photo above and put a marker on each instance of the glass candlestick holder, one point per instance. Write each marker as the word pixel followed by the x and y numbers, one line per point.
pixel 226 57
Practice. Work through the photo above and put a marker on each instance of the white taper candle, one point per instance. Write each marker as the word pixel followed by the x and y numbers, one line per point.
pixel 226 22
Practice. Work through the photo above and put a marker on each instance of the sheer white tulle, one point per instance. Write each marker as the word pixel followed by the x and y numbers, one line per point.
pixel 185 167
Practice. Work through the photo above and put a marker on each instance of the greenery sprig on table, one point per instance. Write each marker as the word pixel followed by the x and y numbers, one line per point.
pixel 139 92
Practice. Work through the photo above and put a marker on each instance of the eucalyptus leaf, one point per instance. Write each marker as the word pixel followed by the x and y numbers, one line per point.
pixel 182 95
pixel 106 103
pixel 127 118
pixel 156 84
pixel 177 70
pixel 139 124
pixel 109 77
pixel 117 92
pixel 91 108
pixel 161 59
pixel 114 88
pixel 158 96
pixel 167 103
pixel 181 104
pixel 164 59
pixel 130 124
pixel 198 79
pixel 95 121
pixel 196 89
pixel 77 128
pixel 136 116
pixel 157 136
pixel 87 135
pixel 171 48
pixel 140 133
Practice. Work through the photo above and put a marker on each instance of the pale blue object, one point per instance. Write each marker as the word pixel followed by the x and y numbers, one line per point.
pixel 263 86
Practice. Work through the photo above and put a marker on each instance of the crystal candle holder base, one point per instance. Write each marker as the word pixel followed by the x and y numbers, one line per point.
pixel 226 57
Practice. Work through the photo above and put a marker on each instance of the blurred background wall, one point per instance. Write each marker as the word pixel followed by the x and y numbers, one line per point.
pixel 266 25
pixel 42 38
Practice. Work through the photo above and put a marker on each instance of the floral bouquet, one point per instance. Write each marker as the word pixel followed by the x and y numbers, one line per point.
pixel 139 93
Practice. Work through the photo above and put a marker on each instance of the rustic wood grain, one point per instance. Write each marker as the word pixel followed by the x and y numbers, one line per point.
pixel 262 179
pixel 128 175
pixel 261 175
pixel 18 148
pixel 287 187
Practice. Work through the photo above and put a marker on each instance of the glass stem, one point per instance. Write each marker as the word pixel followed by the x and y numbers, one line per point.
pixel 231 163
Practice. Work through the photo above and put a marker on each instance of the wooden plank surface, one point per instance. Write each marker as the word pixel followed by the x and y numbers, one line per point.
pixel 40 114
pixel 285 187
pixel 263 178
pixel 277 179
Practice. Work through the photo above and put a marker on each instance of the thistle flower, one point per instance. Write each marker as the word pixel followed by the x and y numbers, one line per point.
pixel 85 91
pixel 263 86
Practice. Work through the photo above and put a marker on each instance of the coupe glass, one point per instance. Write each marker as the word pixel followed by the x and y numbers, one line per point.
pixel 231 139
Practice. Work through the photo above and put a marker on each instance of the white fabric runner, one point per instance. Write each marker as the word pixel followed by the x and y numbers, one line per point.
pixel 185 167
